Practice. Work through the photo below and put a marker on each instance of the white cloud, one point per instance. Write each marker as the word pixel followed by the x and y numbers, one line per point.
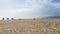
pixel 31 8
pixel 57 5
pixel 5 1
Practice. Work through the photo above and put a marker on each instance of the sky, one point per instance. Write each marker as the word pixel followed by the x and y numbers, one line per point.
pixel 29 8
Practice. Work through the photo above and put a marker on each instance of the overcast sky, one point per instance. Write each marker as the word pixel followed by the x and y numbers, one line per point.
pixel 29 8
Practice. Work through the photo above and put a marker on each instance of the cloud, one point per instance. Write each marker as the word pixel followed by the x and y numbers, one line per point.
pixel 30 8
pixel 57 5
pixel 5 1
pixel 51 9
